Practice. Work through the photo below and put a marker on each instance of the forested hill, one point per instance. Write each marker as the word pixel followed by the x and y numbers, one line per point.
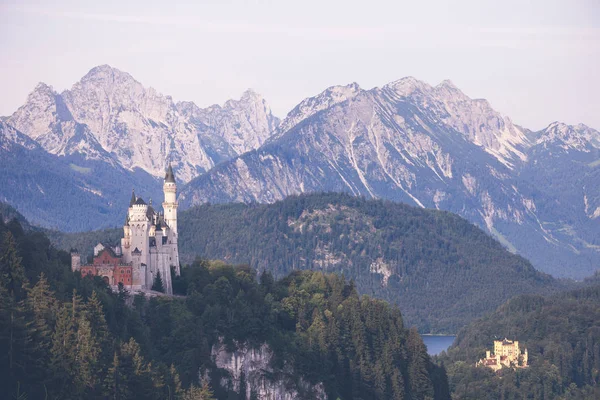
pixel 8 213
pixel 562 335
pixel 439 268
pixel 310 335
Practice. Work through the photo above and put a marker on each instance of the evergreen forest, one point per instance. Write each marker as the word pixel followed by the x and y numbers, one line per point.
pixel 67 337
pixel 562 335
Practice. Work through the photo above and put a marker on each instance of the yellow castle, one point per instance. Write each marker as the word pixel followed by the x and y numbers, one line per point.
pixel 506 354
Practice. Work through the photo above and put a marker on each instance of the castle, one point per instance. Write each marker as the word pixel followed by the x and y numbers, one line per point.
pixel 148 246
pixel 506 354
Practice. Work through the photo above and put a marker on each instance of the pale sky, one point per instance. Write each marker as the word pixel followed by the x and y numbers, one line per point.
pixel 535 61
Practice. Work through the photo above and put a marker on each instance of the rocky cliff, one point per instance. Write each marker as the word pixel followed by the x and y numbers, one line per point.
pixel 250 368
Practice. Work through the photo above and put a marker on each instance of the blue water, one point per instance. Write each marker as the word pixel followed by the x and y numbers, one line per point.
pixel 437 344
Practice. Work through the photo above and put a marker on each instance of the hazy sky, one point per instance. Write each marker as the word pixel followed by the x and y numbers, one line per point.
pixel 536 61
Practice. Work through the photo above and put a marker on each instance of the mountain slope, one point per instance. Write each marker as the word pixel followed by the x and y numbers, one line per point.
pixel 441 270
pixel 109 115
pixel 68 193
pixel 408 141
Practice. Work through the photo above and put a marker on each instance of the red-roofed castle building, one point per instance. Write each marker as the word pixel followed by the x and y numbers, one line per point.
pixel 148 246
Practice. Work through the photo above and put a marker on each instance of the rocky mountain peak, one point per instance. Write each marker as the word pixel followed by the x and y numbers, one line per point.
pixel 249 98
pixel 251 94
pixel 474 118
pixel 406 86
pixel 42 89
pixel 42 94
pixel 107 75
pixel 312 105
pixel 578 137
pixel 111 116
pixel 447 83
pixel 40 111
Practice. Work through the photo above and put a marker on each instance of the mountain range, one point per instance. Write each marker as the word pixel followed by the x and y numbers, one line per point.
pixel 408 141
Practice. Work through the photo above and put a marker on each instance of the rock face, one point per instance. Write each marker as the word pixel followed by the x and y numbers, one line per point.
pixel 108 115
pixel 254 366
pixel 397 142
pixel 432 146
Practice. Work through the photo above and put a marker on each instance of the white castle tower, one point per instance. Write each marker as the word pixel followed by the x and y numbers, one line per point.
pixel 149 242
pixel 170 210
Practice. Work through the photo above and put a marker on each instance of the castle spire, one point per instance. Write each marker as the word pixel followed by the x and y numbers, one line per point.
pixel 170 177
pixel 132 201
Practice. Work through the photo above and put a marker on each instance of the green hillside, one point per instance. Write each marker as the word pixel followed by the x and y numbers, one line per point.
pixel 439 268
pixel 67 337
pixel 562 335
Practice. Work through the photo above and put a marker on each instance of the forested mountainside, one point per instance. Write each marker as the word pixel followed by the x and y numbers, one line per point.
pixel 9 213
pixel 562 335
pixel 439 268
pixel 310 335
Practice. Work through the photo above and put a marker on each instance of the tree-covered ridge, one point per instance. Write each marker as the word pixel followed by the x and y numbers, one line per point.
pixel 562 334
pixel 439 268
pixel 63 336
pixel 9 213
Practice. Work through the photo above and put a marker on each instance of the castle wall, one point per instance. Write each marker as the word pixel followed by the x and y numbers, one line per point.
pixel 75 261
pixel 123 274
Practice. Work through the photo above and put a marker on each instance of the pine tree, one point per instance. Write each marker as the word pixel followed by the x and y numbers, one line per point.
pixel 398 387
pixel 198 393
pixel 158 283
pixel 95 315
pixel 115 383
pixel 14 336
pixel 87 355
pixel 12 273
pixel 137 372
pixel 13 341
pixel 42 309
pixel 243 388
pixel 419 382
pixel 63 353
pixel 174 390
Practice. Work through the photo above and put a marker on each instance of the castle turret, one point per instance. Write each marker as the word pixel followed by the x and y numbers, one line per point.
pixel 133 198
pixel 170 203
pixel 75 260
pixel 170 218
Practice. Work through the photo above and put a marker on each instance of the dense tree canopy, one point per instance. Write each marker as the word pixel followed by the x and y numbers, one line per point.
pixel 562 335
pixel 68 337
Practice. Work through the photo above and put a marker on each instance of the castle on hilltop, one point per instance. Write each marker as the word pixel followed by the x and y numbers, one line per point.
pixel 506 354
pixel 148 246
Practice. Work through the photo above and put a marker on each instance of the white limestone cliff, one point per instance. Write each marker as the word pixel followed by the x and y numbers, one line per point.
pixel 254 364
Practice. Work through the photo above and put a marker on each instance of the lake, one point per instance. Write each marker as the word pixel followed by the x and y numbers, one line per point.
pixel 436 344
